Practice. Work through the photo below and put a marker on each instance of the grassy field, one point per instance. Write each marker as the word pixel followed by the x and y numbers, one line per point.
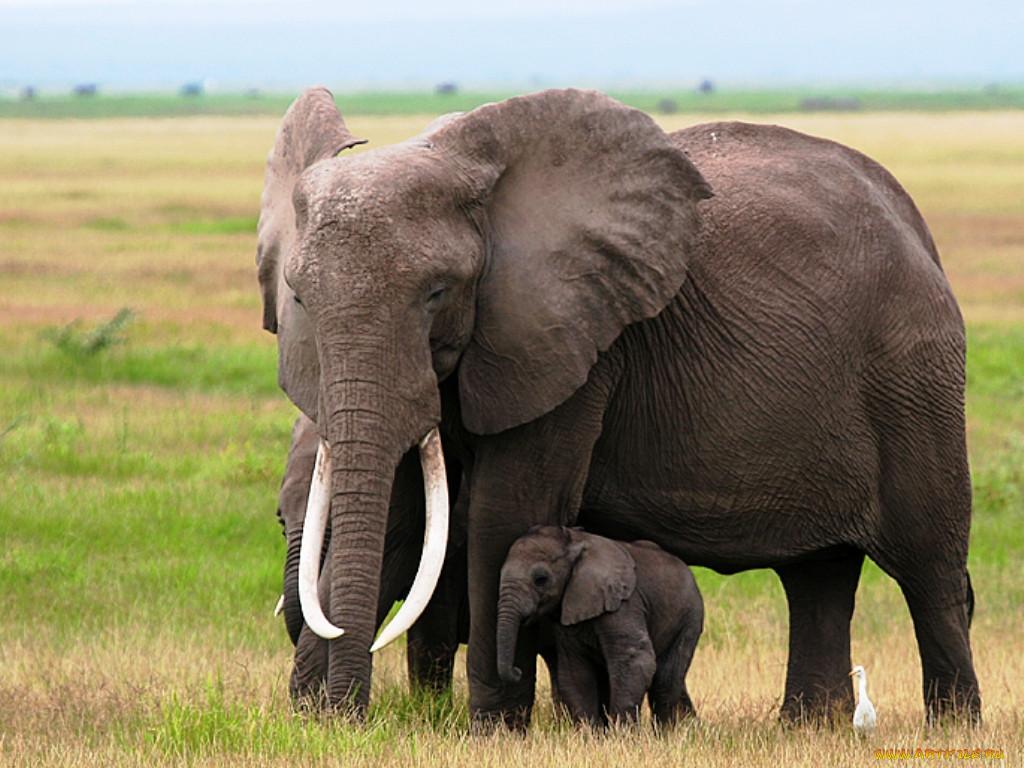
pixel 668 100
pixel 139 553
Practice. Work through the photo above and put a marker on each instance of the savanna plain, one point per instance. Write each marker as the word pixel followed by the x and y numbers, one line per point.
pixel 141 452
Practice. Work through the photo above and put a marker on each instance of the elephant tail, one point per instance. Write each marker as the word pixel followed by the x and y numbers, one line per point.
pixel 970 598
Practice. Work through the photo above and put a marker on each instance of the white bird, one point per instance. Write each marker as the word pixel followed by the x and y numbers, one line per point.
pixel 864 718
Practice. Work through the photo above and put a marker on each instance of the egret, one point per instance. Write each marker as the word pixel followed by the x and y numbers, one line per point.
pixel 864 718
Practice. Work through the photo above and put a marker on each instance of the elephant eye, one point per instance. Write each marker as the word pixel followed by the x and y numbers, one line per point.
pixel 437 293
pixel 541 579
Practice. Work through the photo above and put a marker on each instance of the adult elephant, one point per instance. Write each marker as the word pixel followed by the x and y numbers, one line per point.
pixel 434 639
pixel 768 378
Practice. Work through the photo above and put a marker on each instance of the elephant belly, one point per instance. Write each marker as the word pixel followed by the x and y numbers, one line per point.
pixel 756 476
pixel 709 531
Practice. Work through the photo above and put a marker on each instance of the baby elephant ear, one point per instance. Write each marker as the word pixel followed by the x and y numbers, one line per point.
pixel 312 130
pixel 603 577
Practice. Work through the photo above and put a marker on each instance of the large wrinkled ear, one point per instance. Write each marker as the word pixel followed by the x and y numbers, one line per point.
pixel 312 130
pixel 589 213
pixel 603 577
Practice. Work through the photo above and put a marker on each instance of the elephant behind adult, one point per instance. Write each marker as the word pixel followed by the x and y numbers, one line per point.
pixel 772 377
pixel 434 639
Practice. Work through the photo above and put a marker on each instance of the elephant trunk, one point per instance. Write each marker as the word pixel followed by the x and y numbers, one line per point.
pixel 509 618
pixel 370 421
pixel 360 489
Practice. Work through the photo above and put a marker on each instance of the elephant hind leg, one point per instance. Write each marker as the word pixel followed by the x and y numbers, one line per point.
pixel 922 545
pixel 821 596
pixel 947 668
pixel 668 697
pixel 925 492
pixel 941 602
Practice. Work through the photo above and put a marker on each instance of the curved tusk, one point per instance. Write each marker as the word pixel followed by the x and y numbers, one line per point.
pixel 313 530
pixel 280 606
pixel 435 541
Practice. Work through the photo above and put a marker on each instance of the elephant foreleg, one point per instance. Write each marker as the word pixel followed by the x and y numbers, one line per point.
pixel 434 639
pixel 580 691
pixel 309 672
pixel 631 666
pixel 821 595
pixel 532 474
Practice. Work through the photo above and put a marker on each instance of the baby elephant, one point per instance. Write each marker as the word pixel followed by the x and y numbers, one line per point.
pixel 627 619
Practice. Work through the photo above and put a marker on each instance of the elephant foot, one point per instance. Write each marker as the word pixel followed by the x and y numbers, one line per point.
pixel 959 704
pixel 318 704
pixel 515 720
pixel 430 670
pixel 822 711
pixel 308 699
pixel 668 715
pixel 311 696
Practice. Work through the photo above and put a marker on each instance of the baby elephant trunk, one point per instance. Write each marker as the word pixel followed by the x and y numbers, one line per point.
pixel 509 619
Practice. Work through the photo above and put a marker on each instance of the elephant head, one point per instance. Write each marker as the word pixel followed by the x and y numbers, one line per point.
pixel 560 570
pixel 504 248
pixel 312 130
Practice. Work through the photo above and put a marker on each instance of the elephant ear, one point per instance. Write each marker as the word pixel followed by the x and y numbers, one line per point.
pixel 604 576
pixel 312 130
pixel 589 213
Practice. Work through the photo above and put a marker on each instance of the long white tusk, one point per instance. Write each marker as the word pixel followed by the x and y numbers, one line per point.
pixel 280 606
pixel 435 541
pixel 313 530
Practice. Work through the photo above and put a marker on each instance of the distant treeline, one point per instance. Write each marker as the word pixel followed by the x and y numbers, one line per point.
pixel 706 99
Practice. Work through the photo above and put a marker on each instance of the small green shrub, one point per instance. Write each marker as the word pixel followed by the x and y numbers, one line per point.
pixel 77 341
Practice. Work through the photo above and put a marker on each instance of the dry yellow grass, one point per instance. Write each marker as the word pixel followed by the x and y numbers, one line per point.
pixel 114 702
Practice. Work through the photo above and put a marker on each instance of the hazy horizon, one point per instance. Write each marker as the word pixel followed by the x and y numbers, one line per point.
pixel 236 45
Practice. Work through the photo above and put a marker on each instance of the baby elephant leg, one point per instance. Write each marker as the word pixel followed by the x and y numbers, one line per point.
pixel 578 687
pixel 669 698
pixel 631 667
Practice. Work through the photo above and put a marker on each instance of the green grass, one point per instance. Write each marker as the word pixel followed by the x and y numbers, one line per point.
pixel 195 366
pixel 726 99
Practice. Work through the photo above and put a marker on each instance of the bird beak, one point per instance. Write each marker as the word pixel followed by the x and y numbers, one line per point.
pixel 851 673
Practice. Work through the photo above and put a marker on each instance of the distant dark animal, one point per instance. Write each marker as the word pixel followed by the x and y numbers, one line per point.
pixel 829 104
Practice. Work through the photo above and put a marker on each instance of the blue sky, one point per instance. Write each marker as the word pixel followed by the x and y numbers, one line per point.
pixel 238 44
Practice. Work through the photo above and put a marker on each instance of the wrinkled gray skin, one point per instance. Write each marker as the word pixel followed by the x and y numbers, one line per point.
pixel 433 640
pixel 627 618
pixel 771 377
